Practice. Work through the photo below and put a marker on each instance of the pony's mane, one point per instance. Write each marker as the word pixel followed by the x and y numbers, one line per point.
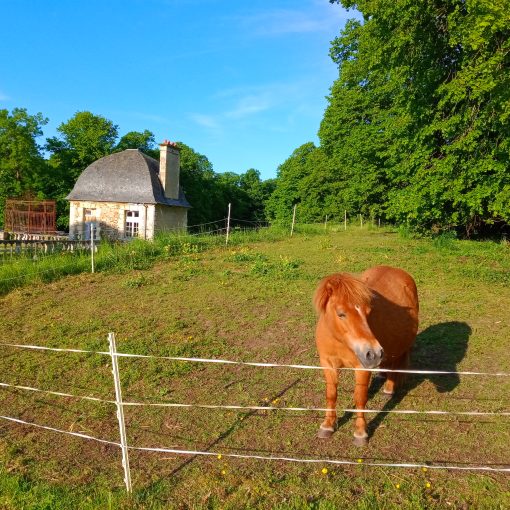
pixel 341 284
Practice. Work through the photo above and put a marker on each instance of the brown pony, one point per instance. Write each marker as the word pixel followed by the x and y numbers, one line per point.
pixel 364 323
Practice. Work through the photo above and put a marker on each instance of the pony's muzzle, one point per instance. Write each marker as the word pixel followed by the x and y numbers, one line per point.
pixel 369 356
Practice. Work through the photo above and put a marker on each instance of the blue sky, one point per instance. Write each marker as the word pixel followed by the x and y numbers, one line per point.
pixel 243 82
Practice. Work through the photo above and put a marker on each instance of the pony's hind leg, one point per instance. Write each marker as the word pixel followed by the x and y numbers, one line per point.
pixel 395 379
pixel 327 427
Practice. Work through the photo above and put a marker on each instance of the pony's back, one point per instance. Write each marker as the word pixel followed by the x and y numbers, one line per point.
pixel 394 315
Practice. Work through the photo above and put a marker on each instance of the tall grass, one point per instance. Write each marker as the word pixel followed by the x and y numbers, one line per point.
pixel 120 257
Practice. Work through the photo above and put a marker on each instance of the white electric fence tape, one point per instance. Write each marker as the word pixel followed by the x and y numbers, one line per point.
pixel 258 364
pixel 263 457
pixel 68 432
pixel 254 408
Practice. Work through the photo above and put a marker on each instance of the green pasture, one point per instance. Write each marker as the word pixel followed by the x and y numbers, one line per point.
pixel 250 301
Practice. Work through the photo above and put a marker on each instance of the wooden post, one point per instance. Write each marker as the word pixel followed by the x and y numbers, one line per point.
pixel 120 412
pixel 92 245
pixel 345 219
pixel 228 223
pixel 293 220
pixel 361 220
pixel 326 223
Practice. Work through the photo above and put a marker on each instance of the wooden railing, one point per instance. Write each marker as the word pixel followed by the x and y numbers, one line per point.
pixel 13 247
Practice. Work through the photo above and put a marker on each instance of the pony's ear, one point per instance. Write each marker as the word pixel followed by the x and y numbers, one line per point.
pixel 323 293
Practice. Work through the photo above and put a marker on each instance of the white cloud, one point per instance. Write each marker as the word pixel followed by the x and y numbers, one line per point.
pixel 249 105
pixel 315 16
pixel 246 104
pixel 207 121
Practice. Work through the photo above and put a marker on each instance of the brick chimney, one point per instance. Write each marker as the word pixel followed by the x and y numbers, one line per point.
pixel 169 168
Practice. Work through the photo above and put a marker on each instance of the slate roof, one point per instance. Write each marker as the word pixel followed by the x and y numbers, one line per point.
pixel 128 176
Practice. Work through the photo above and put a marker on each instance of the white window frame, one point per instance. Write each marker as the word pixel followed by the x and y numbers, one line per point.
pixel 132 224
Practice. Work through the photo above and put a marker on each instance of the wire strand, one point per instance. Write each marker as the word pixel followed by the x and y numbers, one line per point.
pixel 254 408
pixel 260 364
pixel 264 457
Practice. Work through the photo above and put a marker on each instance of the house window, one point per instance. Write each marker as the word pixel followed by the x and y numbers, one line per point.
pixel 132 223
pixel 90 215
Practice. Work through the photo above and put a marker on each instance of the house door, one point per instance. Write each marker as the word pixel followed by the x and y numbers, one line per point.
pixel 89 219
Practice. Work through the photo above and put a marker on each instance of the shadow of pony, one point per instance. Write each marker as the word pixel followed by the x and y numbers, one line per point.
pixel 439 347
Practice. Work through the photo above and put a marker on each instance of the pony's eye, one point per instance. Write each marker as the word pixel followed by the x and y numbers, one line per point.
pixel 341 315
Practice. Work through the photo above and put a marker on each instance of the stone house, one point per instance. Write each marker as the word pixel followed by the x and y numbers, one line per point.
pixel 129 194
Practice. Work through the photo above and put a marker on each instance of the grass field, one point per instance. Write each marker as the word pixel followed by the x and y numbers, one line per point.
pixel 252 302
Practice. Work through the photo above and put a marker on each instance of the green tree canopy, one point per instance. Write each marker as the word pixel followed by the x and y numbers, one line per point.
pixel 418 118
pixel 21 162
pixel 144 141
pixel 307 179
pixel 258 192
pixel 82 140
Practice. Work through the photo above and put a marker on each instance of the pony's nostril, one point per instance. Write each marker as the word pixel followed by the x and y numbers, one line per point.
pixel 381 353
pixel 370 355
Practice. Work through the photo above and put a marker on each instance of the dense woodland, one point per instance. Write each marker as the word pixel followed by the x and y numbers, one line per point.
pixel 416 131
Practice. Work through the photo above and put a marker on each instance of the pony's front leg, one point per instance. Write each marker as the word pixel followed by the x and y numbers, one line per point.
pixel 360 399
pixel 328 425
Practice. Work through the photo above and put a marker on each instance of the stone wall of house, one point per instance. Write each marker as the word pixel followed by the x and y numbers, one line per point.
pixel 171 219
pixel 111 219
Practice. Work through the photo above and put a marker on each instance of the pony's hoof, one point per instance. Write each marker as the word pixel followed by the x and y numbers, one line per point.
pixel 360 441
pixel 388 394
pixel 325 432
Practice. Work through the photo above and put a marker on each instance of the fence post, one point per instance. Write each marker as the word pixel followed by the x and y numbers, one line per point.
pixel 92 245
pixel 345 219
pixel 361 220
pixel 326 223
pixel 120 412
pixel 228 223
pixel 293 220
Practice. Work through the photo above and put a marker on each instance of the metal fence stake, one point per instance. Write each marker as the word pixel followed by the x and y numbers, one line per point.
pixel 228 223
pixel 120 412
pixel 92 245
pixel 293 220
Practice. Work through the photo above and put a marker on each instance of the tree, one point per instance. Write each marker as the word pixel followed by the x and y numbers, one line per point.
pixel 418 117
pixel 21 162
pixel 198 181
pixel 82 140
pixel 143 141
pixel 289 190
pixel 258 192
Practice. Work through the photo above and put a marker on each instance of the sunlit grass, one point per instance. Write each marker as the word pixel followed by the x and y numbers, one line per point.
pixel 251 300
